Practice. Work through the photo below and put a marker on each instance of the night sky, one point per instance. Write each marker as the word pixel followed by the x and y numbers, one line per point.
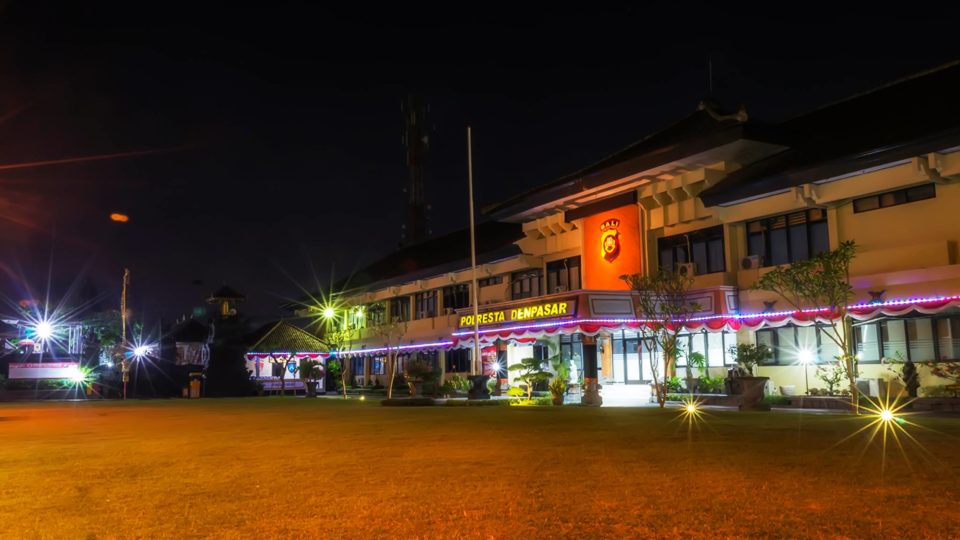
pixel 279 128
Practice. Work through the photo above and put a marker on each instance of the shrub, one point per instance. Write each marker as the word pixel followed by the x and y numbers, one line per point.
pixel 408 402
pixel 459 383
pixel 711 385
pixel 516 391
pixel 673 385
pixel 776 400
pixel 477 402
pixel 748 355
pixel 936 391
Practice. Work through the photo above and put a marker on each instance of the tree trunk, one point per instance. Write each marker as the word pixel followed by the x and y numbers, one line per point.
pixel 283 381
pixel 661 396
pixel 391 370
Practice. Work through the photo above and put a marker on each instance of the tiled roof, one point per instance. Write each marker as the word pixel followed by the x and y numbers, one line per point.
pixel 907 118
pixel 281 336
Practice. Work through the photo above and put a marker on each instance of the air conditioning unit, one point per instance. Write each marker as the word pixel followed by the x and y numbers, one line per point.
pixel 687 269
pixel 750 262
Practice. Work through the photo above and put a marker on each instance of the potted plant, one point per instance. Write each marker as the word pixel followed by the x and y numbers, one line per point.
pixel 743 381
pixel 311 372
pixel 417 372
pixel 558 387
pixel 699 361
pixel 531 372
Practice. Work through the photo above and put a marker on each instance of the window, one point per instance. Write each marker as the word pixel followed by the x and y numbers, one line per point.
pixel 867 339
pixel 426 304
pixel 400 309
pixel 894 198
pixel 488 281
pixel 356 365
pixel 526 284
pixel 788 342
pixel 458 360
pixel 920 339
pixel 563 275
pixel 788 238
pixel 948 338
pixel 374 313
pixel 378 365
pixel 712 345
pixel 456 296
pixel 706 246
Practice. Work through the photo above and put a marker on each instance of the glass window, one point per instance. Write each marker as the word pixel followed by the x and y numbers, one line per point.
pixel 948 336
pixel 920 339
pixel 374 313
pixel 894 198
pixel 767 337
pixel 458 360
pixel 426 304
pixel 788 238
pixel 456 297
pixel 526 284
pixel 488 281
pixel 806 344
pixel 894 335
pixel 563 275
pixel 400 309
pixel 706 246
pixel 714 349
pixel 867 338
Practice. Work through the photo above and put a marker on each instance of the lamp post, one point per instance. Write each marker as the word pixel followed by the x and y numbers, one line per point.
pixel 805 358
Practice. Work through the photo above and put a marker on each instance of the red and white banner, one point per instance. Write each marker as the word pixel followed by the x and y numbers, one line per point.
pixel 44 370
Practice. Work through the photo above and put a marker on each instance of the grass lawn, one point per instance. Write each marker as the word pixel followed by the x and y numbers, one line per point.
pixel 328 468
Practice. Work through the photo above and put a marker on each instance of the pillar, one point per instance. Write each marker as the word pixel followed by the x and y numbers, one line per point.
pixel 591 385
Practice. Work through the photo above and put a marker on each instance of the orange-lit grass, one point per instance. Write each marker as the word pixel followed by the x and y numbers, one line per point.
pixel 325 468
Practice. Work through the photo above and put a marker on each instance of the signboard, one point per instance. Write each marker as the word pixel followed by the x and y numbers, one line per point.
pixel 544 310
pixel 44 370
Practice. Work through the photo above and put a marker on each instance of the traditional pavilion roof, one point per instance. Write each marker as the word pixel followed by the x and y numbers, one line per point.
pixel 281 336
pixel 909 117
pixel 190 331
pixel 226 293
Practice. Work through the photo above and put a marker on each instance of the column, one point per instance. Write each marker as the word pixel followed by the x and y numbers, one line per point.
pixel 591 386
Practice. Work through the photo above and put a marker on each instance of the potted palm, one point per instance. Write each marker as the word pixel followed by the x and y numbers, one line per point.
pixel 742 381
pixel 311 372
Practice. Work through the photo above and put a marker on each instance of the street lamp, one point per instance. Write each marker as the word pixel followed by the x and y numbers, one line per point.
pixel 329 313
pixel 43 330
pixel 805 357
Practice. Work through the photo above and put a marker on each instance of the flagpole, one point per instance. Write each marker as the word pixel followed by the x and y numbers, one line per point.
pixel 473 263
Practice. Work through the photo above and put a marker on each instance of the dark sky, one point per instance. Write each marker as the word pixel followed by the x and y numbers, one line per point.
pixel 283 124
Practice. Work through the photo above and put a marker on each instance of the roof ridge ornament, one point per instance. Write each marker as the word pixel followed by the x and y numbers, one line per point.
pixel 739 116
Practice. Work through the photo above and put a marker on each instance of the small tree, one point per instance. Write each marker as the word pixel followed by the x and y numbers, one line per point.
pixel 282 361
pixel 822 282
pixel 311 371
pixel 531 372
pixel 747 356
pixel 662 308
pixel 337 342
pixel 391 331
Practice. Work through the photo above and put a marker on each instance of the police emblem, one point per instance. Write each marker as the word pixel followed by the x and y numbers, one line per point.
pixel 610 239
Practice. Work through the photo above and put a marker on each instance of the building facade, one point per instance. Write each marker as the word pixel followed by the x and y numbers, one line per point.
pixel 725 200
